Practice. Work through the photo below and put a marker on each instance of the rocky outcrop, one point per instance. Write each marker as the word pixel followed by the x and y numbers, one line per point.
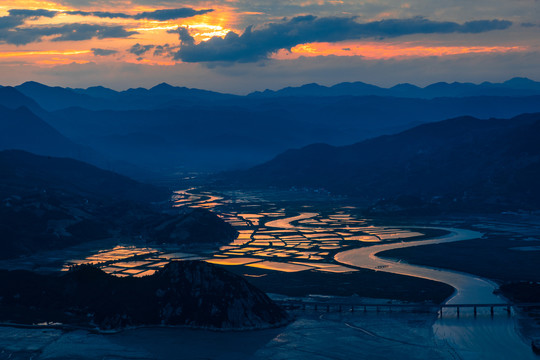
pixel 203 295
pixel 189 226
pixel 187 293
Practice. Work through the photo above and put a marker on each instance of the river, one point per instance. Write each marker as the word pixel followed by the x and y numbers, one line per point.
pixel 471 337
pixel 285 234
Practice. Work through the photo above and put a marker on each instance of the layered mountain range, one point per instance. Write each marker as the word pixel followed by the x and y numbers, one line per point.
pixel 157 132
pixel 464 163
pixel 166 129
pixel 513 87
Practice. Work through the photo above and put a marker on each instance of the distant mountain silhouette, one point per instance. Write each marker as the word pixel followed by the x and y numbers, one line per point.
pixel 23 170
pixel 248 131
pixel 21 129
pixel 53 98
pixel 13 99
pixel 165 95
pixel 97 92
pixel 167 128
pixel 100 98
pixel 512 87
pixel 476 163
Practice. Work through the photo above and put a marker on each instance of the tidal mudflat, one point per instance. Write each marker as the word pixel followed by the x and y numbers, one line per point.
pixel 371 335
pixel 297 249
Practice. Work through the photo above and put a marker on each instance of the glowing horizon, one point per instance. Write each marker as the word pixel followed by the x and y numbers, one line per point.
pixel 212 38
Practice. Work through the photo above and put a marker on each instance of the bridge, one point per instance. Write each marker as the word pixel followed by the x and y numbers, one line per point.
pixel 378 307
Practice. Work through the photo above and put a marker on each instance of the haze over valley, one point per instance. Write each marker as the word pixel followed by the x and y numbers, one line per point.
pixel 166 129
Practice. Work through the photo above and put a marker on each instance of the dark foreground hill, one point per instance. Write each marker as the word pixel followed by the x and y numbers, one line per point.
pixel 188 293
pixel 463 163
pixel 49 203
pixel 22 171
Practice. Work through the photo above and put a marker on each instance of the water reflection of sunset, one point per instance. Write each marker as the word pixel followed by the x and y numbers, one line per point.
pixel 270 240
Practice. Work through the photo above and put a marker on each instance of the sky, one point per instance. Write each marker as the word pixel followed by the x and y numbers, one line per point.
pixel 239 46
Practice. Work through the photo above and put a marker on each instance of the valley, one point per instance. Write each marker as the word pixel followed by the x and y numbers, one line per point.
pixel 307 247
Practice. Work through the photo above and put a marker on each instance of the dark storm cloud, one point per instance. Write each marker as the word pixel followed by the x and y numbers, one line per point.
pixel 100 14
pixel 12 33
pixel 17 17
pixel 185 38
pixel 171 14
pixel 25 13
pixel 257 44
pixel 160 15
pixel 10 22
pixel 69 32
pixel 139 49
pixel 165 50
pixel 103 52
pixel 78 32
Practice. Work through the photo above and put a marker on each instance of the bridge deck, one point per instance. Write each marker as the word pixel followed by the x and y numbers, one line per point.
pixel 291 304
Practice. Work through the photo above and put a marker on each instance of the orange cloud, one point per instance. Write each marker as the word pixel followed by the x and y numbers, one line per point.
pixel 61 61
pixel 30 4
pixel 15 54
pixel 381 51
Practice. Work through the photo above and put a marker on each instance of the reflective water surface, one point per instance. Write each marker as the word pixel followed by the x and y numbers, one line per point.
pixel 292 239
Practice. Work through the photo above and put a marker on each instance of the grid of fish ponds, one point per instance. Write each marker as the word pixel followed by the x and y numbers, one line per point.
pixel 304 242
pixel 269 239
pixel 129 260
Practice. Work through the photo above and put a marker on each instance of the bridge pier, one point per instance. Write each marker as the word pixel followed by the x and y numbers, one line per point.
pixel 457 307
pixel 475 311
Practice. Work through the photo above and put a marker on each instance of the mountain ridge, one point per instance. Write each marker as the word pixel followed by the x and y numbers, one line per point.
pixel 483 164
pixel 513 87
pixel 100 97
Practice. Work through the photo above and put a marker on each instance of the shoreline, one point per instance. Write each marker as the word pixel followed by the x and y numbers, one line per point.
pixel 97 331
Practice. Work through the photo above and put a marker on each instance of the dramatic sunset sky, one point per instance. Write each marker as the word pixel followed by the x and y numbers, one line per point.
pixel 243 45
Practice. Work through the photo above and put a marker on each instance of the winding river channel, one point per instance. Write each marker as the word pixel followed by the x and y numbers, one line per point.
pixel 276 236
pixel 469 289
pixel 471 337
